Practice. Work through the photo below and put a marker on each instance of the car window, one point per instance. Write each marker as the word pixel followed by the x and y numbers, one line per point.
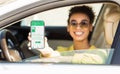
pixel 58 36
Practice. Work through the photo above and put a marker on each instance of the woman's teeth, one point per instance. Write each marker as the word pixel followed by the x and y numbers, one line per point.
pixel 78 33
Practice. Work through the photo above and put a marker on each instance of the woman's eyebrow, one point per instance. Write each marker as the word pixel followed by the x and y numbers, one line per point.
pixel 73 20
pixel 85 20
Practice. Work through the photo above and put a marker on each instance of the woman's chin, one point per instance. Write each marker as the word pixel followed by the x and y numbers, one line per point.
pixel 79 39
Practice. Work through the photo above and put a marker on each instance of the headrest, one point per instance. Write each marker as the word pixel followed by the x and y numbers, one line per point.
pixel 111 20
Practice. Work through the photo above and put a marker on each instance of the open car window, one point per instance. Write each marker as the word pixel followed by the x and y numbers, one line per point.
pixel 56 32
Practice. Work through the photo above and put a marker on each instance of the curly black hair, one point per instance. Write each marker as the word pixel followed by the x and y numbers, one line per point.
pixel 82 9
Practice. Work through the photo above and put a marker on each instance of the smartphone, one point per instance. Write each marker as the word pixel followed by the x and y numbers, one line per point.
pixel 37 34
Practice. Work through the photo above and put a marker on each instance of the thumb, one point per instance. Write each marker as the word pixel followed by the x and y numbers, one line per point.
pixel 46 43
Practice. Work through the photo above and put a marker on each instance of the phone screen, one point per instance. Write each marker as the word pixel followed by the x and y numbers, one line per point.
pixel 37 34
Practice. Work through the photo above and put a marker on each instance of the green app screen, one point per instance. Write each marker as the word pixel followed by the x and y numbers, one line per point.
pixel 37 34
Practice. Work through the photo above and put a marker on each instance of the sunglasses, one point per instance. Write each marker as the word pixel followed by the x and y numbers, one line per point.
pixel 82 24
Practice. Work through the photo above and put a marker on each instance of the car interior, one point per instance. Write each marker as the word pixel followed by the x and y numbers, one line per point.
pixel 13 38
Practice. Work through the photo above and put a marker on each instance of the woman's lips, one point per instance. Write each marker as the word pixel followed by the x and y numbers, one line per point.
pixel 78 33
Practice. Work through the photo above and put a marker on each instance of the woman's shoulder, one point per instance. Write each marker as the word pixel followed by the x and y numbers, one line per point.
pixel 92 47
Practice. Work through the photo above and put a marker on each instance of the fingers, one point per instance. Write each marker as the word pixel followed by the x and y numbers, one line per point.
pixel 29 43
pixel 29 36
pixel 46 42
pixel 29 46
pixel 45 39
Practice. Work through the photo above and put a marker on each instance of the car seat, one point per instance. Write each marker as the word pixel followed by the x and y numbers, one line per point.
pixel 111 20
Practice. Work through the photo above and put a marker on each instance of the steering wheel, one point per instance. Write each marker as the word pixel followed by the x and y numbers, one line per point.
pixel 10 47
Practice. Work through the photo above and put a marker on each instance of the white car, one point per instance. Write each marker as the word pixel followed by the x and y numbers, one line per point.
pixel 15 21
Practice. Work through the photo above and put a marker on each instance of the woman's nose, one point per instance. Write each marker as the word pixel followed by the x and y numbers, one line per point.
pixel 78 27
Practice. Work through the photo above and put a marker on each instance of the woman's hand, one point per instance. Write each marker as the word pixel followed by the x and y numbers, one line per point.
pixel 45 52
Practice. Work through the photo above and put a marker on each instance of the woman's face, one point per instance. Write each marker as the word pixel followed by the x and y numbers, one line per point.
pixel 79 26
